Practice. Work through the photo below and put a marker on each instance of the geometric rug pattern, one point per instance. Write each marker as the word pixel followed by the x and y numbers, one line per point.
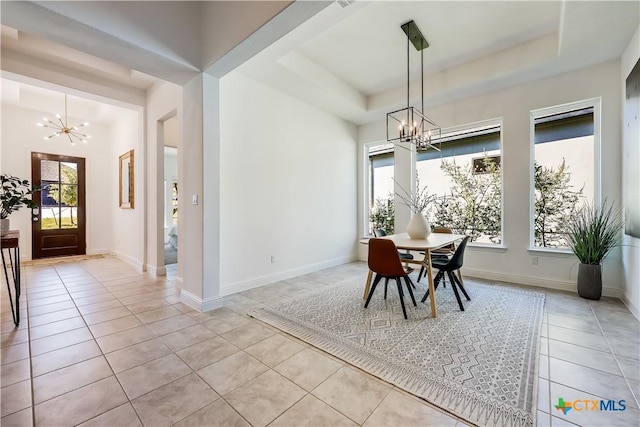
pixel 480 365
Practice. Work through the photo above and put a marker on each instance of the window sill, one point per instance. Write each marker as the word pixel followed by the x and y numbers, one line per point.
pixel 552 252
pixel 487 247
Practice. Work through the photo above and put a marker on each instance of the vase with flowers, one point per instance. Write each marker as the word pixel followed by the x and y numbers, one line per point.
pixel 13 197
pixel 418 202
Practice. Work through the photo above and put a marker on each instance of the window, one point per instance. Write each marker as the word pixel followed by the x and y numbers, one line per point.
pixel 467 180
pixel 380 197
pixel 564 167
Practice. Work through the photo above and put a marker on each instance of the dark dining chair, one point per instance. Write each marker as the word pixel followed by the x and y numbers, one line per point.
pixel 449 266
pixel 441 254
pixel 384 260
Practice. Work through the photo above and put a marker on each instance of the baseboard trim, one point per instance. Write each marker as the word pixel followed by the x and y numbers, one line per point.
pixel 98 251
pixel 535 281
pixel 626 300
pixel 284 275
pixel 199 304
pixel 157 271
pixel 129 260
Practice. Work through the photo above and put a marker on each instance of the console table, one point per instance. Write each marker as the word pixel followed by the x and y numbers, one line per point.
pixel 10 243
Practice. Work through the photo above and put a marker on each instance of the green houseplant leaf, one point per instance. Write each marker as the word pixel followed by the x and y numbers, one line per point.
pixel 14 195
pixel 592 231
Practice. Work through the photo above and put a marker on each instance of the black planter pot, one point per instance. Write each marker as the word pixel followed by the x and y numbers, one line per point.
pixel 590 281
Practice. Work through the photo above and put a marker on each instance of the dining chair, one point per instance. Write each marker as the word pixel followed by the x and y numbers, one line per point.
pixel 441 253
pixel 384 260
pixel 380 233
pixel 449 266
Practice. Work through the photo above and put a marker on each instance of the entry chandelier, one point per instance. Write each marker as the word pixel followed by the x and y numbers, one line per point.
pixel 410 125
pixel 62 128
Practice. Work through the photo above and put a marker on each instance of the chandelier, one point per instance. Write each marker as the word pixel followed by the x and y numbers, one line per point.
pixel 410 125
pixel 62 128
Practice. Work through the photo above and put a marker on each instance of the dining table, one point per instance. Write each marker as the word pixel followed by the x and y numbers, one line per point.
pixel 431 242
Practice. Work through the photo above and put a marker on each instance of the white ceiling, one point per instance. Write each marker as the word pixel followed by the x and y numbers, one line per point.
pixel 349 61
pixel 50 102
pixel 352 61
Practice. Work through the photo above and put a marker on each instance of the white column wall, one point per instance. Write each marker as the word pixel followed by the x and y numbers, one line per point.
pixel 287 186
pixel 513 104
pixel 190 221
pixel 163 101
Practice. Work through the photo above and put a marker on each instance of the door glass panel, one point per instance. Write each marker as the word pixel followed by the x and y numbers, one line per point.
pixel 69 217
pixel 49 207
pixel 49 170
pixel 49 194
pixel 69 172
pixel 68 195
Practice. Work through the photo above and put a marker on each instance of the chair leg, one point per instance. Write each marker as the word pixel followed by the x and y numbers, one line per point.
pixel 459 284
pixel 422 271
pixel 386 282
pixel 404 310
pixel 436 280
pixel 410 284
pixel 373 288
pixel 459 273
pixel 455 290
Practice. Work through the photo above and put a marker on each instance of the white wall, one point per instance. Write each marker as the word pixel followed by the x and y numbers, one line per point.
pixel 631 245
pixel 287 184
pixel 21 137
pixel 163 102
pixel 513 105
pixel 128 224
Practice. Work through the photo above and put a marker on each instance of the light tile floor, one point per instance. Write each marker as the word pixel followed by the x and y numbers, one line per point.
pixel 100 344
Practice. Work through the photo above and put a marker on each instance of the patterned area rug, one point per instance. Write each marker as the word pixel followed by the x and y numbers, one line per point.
pixel 480 365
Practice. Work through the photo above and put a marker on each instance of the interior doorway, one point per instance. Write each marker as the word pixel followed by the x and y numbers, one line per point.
pixel 171 191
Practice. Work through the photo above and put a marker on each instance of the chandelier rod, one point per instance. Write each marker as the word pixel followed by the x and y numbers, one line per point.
pixel 408 81
pixel 422 77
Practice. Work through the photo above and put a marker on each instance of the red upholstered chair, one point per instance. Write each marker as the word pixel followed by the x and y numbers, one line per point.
pixel 385 262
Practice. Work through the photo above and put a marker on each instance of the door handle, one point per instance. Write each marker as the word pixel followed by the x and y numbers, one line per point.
pixel 35 211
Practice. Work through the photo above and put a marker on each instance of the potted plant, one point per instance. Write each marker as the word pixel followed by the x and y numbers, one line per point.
pixel 14 196
pixel 418 202
pixel 592 231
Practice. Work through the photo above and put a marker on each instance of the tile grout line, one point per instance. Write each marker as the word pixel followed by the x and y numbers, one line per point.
pixel 33 403
pixel 615 356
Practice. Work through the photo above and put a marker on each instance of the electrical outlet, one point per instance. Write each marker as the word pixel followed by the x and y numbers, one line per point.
pixel 534 260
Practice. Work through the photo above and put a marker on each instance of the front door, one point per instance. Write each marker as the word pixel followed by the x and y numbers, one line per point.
pixel 58 224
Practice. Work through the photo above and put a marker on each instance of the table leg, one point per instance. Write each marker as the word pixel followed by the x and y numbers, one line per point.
pixel 17 284
pixel 432 291
pixel 14 309
pixel 366 289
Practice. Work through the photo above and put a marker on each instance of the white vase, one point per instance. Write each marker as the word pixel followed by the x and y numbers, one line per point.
pixel 4 226
pixel 418 227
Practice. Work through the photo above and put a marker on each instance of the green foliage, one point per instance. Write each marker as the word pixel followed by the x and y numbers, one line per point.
pixel 69 193
pixel 382 216
pixel 592 231
pixel 14 195
pixel 473 206
pixel 555 199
